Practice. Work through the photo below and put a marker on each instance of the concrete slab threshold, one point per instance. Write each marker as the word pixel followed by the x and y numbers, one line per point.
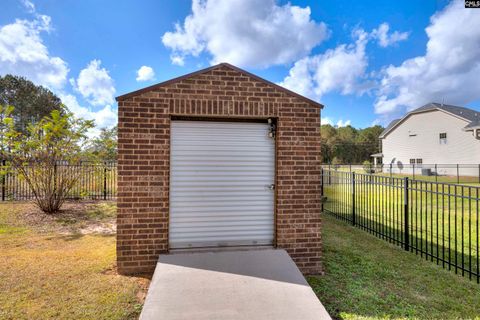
pixel 241 284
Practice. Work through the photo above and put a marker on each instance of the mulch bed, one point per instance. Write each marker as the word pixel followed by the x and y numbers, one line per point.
pixel 72 219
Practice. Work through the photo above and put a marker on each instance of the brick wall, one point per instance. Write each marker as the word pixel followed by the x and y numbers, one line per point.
pixel 144 150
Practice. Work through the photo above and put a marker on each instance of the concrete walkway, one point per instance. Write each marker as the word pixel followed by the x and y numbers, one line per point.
pixel 251 284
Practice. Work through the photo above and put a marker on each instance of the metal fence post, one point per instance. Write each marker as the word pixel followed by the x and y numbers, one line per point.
pixel 55 175
pixel 322 189
pixel 436 173
pixel 4 179
pixel 353 199
pixel 105 181
pixel 405 215
pixel 458 174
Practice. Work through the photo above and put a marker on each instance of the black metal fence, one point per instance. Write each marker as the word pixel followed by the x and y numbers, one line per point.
pixel 96 181
pixel 438 221
pixel 448 173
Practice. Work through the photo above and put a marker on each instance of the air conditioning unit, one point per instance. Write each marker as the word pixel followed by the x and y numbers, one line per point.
pixel 426 172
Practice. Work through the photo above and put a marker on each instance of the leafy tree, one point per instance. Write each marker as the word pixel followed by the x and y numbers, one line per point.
pixel 31 102
pixel 104 147
pixel 347 145
pixel 38 156
pixel 328 136
pixel 345 149
pixel 367 166
pixel 368 139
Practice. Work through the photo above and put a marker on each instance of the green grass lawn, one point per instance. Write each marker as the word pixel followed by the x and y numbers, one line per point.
pixel 63 268
pixel 443 219
pixel 368 278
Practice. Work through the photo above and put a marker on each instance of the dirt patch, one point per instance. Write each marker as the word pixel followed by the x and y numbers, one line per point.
pixel 143 281
pixel 76 217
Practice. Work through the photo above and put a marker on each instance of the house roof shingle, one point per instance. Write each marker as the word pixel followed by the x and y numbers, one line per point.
pixel 390 126
pixel 462 112
pixel 470 115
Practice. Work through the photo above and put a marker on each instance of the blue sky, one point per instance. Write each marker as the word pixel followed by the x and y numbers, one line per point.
pixel 366 61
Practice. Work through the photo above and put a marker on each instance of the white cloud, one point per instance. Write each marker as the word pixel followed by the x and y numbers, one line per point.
pixel 97 87
pixel 23 53
pixel 339 123
pixel 95 84
pixel 177 60
pixel 245 32
pixel 104 118
pixel 29 5
pixel 384 38
pixel 338 69
pixel 449 69
pixel 326 120
pixel 145 73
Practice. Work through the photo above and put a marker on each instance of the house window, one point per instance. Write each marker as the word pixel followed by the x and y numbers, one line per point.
pixel 443 138
pixel 419 162
pixel 412 161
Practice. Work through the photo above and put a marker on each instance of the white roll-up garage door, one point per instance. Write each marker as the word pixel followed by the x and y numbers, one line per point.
pixel 221 184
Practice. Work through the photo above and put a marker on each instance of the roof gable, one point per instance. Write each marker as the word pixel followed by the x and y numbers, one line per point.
pixel 461 112
pixel 221 65
pixel 469 115
pixel 389 127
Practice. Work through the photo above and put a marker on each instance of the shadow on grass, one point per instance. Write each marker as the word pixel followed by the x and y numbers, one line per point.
pixel 366 278
pixel 448 257
pixel 77 236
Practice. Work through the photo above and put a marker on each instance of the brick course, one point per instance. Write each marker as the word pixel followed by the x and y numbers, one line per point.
pixel 222 91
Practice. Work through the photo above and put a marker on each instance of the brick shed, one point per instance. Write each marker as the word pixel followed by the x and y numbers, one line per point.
pixel 217 158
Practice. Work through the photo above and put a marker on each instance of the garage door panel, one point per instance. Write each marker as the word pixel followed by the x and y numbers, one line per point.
pixel 218 163
pixel 227 174
pixel 221 183
pixel 238 220
pixel 219 195
pixel 225 237
pixel 212 156
pixel 219 208
pixel 234 196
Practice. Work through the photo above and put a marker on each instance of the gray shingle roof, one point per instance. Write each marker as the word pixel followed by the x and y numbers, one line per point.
pixel 390 126
pixel 466 113
pixel 473 124
pixel 470 115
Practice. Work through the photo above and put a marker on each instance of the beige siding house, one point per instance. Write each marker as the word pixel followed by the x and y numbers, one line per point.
pixel 433 134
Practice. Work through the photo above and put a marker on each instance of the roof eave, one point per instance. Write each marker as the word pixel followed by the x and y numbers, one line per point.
pixel 163 83
pixel 174 80
pixel 435 108
pixel 471 128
